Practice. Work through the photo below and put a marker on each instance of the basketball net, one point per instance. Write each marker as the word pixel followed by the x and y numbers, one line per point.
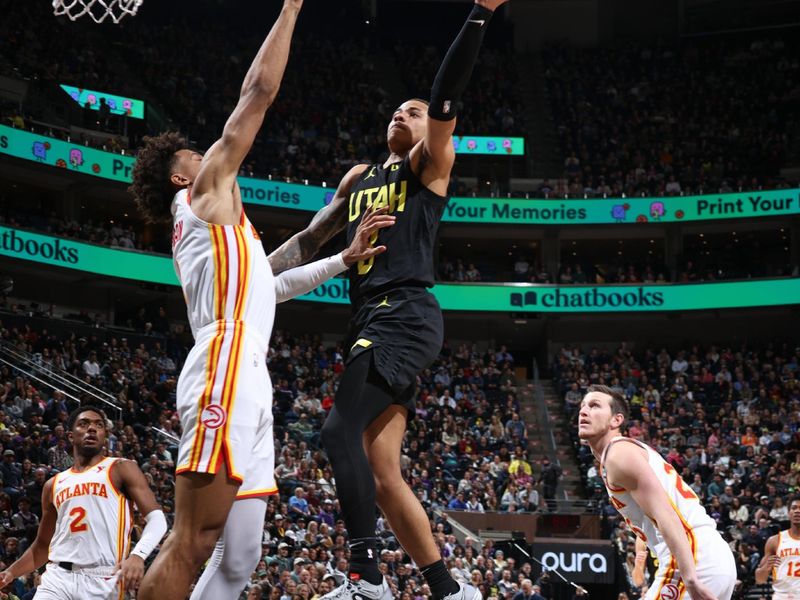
pixel 98 10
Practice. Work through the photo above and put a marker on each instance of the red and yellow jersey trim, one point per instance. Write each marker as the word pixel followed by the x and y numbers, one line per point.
pixel 257 493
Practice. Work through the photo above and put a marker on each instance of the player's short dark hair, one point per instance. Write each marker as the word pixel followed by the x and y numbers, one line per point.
pixel 151 187
pixel 73 416
pixel 619 405
pixel 792 500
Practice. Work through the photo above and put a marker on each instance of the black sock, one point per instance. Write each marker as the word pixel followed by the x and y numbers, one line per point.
pixel 364 560
pixel 439 579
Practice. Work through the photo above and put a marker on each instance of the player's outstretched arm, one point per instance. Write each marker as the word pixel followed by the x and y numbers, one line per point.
pixel 133 484
pixel 330 220
pixel 36 554
pixel 301 280
pixel 626 466
pixel 770 561
pixel 222 161
pixel 433 159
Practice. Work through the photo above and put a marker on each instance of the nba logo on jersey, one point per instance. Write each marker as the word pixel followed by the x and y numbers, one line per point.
pixel 213 416
pixel 446 107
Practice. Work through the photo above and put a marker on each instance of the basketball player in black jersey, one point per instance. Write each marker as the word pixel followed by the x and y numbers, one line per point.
pixel 396 329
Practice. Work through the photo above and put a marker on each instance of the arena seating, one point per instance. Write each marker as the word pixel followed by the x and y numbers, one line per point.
pixel 665 120
pixel 466 447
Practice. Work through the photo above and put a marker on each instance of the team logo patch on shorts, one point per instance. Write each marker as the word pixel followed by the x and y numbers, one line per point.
pixel 213 416
pixel 669 592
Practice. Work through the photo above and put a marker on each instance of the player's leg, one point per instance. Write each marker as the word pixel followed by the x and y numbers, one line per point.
pixel 359 400
pixel 382 441
pixel 252 446
pixel 202 504
pixel 98 587
pixel 236 553
pixel 716 566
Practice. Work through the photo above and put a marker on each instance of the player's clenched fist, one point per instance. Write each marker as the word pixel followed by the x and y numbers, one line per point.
pixel 131 572
pixel 774 561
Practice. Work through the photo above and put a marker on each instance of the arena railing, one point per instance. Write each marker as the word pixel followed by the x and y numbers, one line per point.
pixel 73 388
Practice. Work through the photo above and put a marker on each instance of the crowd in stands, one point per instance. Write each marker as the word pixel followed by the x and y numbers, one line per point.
pixel 492 103
pixel 333 108
pixel 714 114
pixel 727 419
pixel 626 115
pixel 605 269
pixel 466 449
pixel 102 233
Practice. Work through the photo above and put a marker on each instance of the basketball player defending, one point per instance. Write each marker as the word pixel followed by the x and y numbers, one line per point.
pixel 396 329
pixel 661 509
pixel 87 515
pixel 782 559
pixel 224 394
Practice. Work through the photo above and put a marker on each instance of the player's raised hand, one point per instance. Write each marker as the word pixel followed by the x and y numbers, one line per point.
pixel 131 572
pixel 492 5
pixel 5 578
pixel 294 4
pixel 362 247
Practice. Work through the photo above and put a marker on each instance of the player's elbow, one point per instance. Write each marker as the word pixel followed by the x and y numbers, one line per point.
pixel 260 92
pixel 40 551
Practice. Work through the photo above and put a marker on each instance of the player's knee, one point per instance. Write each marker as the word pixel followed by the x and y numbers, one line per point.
pixel 386 480
pixel 239 565
pixel 333 435
pixel 195 547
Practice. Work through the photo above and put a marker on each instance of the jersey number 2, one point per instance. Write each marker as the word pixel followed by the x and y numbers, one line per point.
pixel 77 525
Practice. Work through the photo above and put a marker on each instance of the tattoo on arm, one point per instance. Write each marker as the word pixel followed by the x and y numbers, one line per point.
pixel 302 246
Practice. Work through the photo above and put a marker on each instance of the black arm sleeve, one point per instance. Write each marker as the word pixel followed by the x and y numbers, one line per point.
pixel 457 66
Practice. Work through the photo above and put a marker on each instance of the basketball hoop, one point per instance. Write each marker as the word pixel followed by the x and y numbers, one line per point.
pixel 98 10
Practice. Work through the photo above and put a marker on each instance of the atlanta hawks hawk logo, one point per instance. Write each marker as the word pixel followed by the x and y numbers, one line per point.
pixel 669 592
pixel 213 416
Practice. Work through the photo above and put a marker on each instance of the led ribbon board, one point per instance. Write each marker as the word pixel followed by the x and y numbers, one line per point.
pixel 118 105
pixel 509 297
pixel 498 211
pixel 493 146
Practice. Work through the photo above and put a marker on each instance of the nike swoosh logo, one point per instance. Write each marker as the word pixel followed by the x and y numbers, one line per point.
pixel 480 22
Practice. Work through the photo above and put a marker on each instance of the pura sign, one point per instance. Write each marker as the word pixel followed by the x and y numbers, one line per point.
pixel 581 561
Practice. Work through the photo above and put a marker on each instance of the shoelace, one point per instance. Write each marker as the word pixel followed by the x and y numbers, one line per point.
pixel 345 590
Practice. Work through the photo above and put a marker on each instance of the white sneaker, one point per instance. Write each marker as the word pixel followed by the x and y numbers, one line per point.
pixel 363 590
pixel 465 592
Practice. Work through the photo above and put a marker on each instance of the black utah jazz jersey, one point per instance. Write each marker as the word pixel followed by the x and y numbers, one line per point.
pixel 408 259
